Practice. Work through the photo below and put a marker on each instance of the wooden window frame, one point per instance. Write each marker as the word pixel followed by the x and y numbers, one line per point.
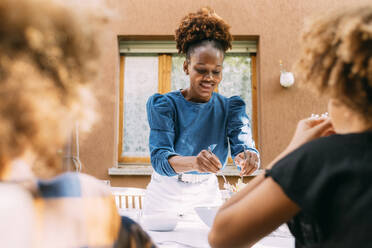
pixel 164 86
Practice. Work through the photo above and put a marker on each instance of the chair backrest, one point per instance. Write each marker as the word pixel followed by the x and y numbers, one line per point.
pixel 128 198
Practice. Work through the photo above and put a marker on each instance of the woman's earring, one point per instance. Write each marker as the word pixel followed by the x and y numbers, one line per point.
pixel 186 70
pixel 186 67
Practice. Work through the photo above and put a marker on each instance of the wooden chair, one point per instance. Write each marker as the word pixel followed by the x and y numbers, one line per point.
pixel 128 198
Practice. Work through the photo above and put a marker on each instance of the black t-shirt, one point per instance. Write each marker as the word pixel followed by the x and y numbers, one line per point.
pixel 331 180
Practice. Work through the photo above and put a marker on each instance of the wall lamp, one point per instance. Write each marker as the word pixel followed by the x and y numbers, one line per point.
pixel 286 77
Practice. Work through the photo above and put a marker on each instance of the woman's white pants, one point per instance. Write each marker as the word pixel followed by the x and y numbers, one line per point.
pixel 168 194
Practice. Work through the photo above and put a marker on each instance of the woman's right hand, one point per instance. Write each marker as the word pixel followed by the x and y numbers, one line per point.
pixel 207 162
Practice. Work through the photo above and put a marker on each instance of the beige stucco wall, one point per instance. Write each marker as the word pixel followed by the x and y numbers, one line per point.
pixel 277 24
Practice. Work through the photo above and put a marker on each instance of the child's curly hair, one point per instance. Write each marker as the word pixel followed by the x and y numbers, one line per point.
pixel 336 58
pixel 47 60
pixel 203 25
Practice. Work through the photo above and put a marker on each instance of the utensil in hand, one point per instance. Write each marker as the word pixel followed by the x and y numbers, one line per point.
pixel 245 159
pixel 210 150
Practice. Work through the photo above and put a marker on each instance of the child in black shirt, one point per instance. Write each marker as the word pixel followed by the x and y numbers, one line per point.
pixel 320 184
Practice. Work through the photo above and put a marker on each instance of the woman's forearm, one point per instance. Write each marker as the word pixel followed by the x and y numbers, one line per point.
pixel 182 163
pixel 254 183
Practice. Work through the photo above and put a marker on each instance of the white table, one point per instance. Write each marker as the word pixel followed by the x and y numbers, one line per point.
pixel 191 232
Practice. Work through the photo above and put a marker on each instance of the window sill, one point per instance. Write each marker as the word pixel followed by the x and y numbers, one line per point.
pixel 146 170
pixel 131 169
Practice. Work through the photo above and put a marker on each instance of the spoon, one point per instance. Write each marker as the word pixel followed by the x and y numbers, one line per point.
pixel 210 150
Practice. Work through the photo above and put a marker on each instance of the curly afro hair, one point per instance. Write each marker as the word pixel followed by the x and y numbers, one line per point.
pixel 48 57
pixel 336 58
pixel 204 25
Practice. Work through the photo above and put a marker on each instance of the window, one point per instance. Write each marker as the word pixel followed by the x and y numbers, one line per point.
pixel 148 67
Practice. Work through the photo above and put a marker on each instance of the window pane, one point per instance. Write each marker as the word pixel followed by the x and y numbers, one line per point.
pixel 140 82
pixel 237 79
pixel 179 79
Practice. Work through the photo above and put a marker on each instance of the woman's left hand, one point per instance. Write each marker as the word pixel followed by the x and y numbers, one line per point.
pixel 249 164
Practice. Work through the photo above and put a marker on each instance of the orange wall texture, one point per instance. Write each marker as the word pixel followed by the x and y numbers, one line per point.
pixel 276 23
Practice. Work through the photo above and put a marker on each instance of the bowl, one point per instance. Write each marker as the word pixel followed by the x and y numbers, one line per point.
pixel 162 222
pixel 207 213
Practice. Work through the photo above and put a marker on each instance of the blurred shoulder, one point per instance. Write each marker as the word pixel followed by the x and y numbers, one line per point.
pixel 17 215
pixel 91 186
pixel 72 184
pixel 13 195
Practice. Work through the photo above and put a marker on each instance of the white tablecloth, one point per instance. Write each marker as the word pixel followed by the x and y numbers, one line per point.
pixel 191 232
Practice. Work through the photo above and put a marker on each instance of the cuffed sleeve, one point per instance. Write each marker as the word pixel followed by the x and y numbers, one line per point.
pixel 238 128
pixel 161 116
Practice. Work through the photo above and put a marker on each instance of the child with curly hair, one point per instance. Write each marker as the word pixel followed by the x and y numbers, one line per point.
pixel 48 56
pixel 321 184
pixel 191 128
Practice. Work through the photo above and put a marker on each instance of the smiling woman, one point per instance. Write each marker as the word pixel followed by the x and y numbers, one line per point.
pixel 185 122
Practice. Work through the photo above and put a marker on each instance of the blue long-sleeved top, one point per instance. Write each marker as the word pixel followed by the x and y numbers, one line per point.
pixel 181 127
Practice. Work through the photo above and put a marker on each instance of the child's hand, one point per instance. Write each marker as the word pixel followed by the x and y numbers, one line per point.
pixel 310 129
